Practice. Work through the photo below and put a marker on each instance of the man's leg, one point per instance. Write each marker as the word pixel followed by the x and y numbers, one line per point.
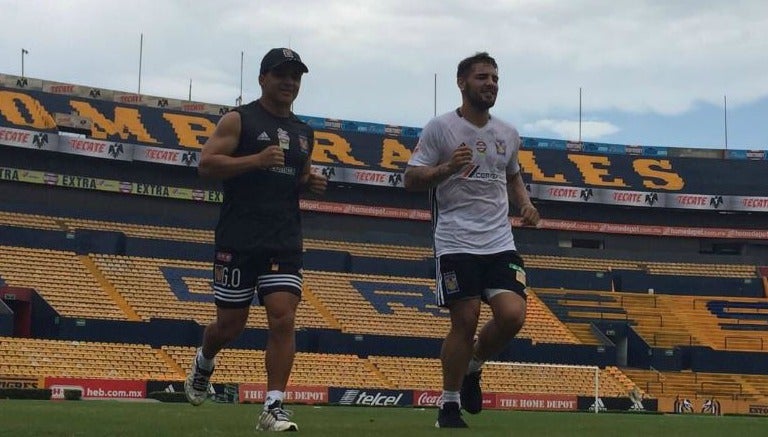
pixel 508 317
pixel 281 340
pixel 454 355
pixel 228 325
pixel 457 346
pixel 281 349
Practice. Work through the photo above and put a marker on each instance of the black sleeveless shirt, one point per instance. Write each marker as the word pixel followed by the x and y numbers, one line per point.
pixel 261 207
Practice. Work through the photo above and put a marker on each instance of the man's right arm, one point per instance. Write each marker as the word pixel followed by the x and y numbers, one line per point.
pixel 423 178
pixel 420 178
pixel 216 160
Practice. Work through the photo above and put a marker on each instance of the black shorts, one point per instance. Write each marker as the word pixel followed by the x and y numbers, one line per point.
pixel 239 275
pixel 466 276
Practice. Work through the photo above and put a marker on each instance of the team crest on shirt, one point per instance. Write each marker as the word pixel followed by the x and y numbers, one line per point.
pixel 218 274
pixel 224 257
pixel 480 146
pixel 283 138
pixel 303 144
pixel 451 283
pixel 501 148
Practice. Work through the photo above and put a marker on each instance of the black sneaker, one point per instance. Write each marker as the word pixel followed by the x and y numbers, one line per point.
pixel 471 394
pixel 449 416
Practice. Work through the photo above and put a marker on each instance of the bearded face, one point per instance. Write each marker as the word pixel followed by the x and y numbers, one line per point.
pixel 481 86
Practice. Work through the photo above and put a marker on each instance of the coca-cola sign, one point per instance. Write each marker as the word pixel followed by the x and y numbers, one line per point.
pixel 427 398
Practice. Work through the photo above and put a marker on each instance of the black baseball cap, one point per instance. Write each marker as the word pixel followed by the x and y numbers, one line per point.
pixel 279 56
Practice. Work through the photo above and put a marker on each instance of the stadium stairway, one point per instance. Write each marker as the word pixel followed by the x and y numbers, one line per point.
pixel 109 288
pixel 659 319
pixel 658 322
pixel 61 279
pixel 179 289
pixel 578 310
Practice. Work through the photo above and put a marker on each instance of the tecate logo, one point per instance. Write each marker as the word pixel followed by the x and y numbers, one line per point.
pixel 426 399
pixel 355 397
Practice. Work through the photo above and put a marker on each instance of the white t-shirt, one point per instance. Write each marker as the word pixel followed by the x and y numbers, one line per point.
pixel 470 209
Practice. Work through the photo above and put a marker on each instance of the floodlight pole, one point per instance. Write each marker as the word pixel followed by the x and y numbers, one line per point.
pixel 434 94
pixel 23 52
pixel 579 115
pixel 240 98
pixel 141 50
pixel 725 120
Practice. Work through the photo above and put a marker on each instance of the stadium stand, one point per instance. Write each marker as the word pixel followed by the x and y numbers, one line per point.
pixel 61 278
pixel 700 384
pixel 239 365
pixel 425 373
pixel 177 289
pixel 37 357
pixel 116 265
pixel 402 306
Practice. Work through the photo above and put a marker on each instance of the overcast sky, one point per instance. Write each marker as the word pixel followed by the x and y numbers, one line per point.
pixel 652 72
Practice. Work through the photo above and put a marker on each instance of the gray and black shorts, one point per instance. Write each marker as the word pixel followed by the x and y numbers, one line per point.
pixel 238 276
pixel 465 276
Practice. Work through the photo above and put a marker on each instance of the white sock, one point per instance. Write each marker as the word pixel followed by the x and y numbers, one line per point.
pixel 204 363
pixel 451 396
pixel 272 397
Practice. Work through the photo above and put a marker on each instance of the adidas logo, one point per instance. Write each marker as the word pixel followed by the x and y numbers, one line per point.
pixel 263 137
pixel 597 405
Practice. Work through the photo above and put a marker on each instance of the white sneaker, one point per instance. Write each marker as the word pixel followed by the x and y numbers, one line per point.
pixel 276 419
pixel 198 383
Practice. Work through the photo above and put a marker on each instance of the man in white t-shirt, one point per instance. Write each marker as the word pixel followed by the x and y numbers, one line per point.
pixel 468 161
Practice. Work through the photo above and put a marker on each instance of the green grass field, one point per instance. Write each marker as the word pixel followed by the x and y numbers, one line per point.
pixel 112 418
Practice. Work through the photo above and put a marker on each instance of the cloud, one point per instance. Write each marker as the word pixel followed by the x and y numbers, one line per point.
pixel 569 129
pixel 376 61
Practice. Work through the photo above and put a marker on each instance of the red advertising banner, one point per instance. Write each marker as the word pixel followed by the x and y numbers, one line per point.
pixel 97 388
pixel 28 139
pixel 490 400
pixel 534 401
pixel 427 398
pixel 294 394
pixel 364 210
pixel 433 398
pixel 95 148
pixel 674 231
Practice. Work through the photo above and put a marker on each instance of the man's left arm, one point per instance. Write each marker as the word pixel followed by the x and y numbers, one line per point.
pixel 518 196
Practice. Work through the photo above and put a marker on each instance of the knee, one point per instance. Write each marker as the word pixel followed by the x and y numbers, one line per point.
pixel 282 322
pixel 465 324
pixel 511 322
pixel 231 328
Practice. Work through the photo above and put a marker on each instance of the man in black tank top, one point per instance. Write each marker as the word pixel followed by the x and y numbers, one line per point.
pixel 262 153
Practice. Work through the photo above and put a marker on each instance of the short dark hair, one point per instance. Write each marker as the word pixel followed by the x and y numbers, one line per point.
pixel 478 58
